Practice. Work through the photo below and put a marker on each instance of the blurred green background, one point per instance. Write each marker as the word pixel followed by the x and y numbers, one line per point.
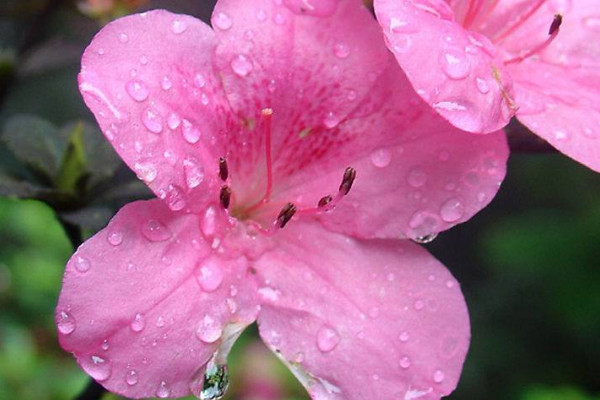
pixel 529 264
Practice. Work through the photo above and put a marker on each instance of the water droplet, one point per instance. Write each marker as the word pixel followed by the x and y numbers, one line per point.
pixel 401 26
pixel 327 339
pixel 115 237
pixel 404 337
pixel 101 51
pixel 261 15
pixel 452 210
pixel 417 177
pixel 482 85
pixel 425 238
pixel 178 27
pixel 66 323
pixel 199 80
pixel 341 50
pixel 222 21
pixel 404 362
pixel 209 330
pixel 241 65
pixel 592 23
pixel 152 121
pixel 194 172
pixel 166 83
pixel 123 38
pixel 175 199
pixel 131 378
pixel 210 275
pixel 208 224
pixel 450 284
pixel 155 231
pixel 138 323
pixel 163 391
pixel 82 264
pixel 279 19
pixel 145 171
pixel 143 60
pixel 351 95
pixel 215 382
pixel 190 132
pixel 455 64
pixel 331 120
pixel 97 367
pixel 438 376
pixel 561 135
pixel 137 90
pixel 105 345
pixel 173 121
pixel 381 158
pixel 419 304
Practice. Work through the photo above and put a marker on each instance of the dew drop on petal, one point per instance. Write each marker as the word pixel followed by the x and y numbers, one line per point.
pixel 138 323
pixel 241 65
pixel 163 390
pixel 123 38
pixel 261 15
pixel 173 121
pixel 66 323
pixel 208 330
pixel 209 276
pixel 425 238
pixel 194 172
pixel 452 210
pixel 178 27
pixel 199 80
pixel 381 158
pixel 482 85
pixel 341 50
pixel 417 177
pixel 190 132
pixel 137 90
pixel 131 377
pixel 166 83
pixel 215 382
pixel 455 64
pixel 438 376
pixel 327 339
pixel 155 231
pixel 152 121
pixel 404 362
pixel 404 337
pixel 208 223
pixel 331 120
pixel 175 199
pixel 115 237
pixel 82 264
pixel 97 367
pixel 222 21
pixel 418 305
pixel 145 171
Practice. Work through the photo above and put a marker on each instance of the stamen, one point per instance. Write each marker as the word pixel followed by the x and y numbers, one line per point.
pixel 286 213
pixel 472 11
pixel 553 32
pixel 225 196
pixel 522 18
pixel 223 169
pixel 267 114
pixel 347 180
pixel 325 201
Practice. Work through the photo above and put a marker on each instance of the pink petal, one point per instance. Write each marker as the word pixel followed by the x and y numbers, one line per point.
pixel 417 176
pixel 146 303
pixel 149 81
pixel 362 319
pixel 456 71
pixel 303 65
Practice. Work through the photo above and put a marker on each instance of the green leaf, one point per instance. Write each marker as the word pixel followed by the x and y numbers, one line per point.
pixel 73 165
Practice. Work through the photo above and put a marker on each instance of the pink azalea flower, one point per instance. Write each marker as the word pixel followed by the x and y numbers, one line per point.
pixel 288 159
pixel 479 62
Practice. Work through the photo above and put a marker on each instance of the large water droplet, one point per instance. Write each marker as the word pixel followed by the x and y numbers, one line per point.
pixel 194 172
pixel 82 264
pixel 331 120
pixel 131 378
pixel 155 231
pixel 163 390
pixel 381 158
pixel 115 237
pixel 152 121
pixel 241 65
pixel 327 339
pixel 137 90
pixel 145 171
pixel 66 323
pixel 452 210
pixel 97 367
pixel 174 197
pixel 190 132
pixel 178 27
pixel 341 50
pixel 438 376
pixel 210 275
pixel 222 21
pixel 216 382
pixel 138 323
pixel 455 64
pixel 209 330
pixel 482 85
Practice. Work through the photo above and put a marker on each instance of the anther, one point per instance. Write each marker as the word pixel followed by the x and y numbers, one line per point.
pixel 286 213
pixel 225 196
pixel 223 170
pixel 325 201
pixel 556 22
pixel 347 180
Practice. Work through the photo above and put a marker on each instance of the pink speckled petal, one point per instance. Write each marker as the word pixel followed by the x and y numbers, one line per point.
pixel 149 81
pixel 415 173
pixel 456 71
pixel 146 303
pixel 362 319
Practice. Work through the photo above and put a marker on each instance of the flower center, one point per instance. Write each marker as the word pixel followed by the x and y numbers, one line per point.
pixel 268 214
